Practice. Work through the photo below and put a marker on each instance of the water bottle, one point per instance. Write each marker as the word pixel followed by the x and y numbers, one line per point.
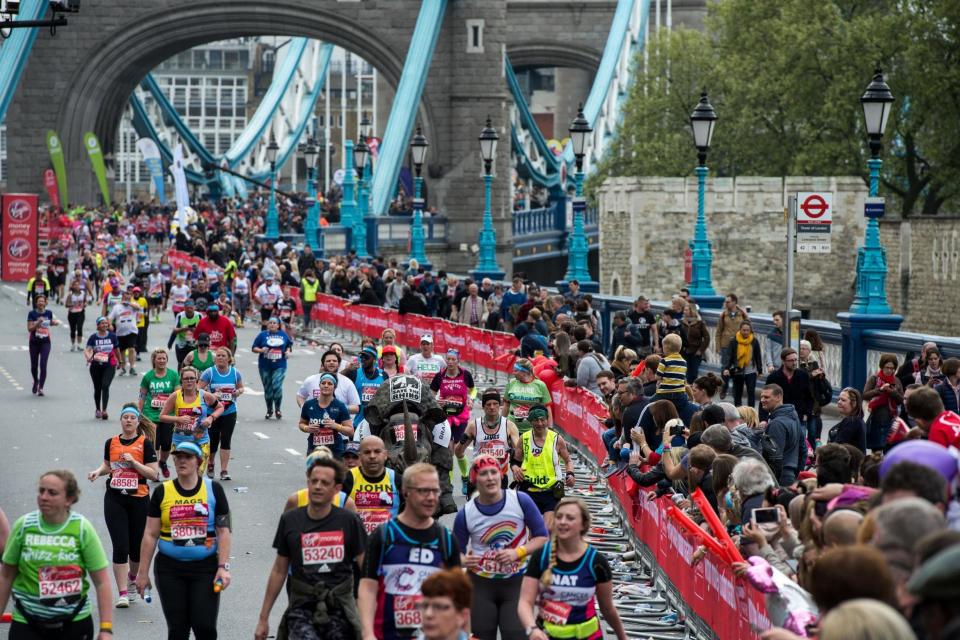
pixel 147 595
pixel 218 586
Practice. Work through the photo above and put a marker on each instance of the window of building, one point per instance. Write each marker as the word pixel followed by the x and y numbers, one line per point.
pixel 475 36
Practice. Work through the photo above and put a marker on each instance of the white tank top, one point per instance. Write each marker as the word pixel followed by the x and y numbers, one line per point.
pixel 496 445
pixel 505 529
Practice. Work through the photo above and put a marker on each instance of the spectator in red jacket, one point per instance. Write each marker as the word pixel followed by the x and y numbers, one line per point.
pixel 937 425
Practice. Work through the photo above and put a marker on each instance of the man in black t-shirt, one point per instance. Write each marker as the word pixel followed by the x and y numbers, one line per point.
pixel 316 545
pixel 643 326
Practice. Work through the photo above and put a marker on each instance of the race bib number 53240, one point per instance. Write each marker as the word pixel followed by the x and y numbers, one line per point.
pixel 322 547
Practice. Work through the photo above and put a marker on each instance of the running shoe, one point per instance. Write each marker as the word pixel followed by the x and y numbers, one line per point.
pixel 268 416
pixel 133 371
pixel 210 470
pixel 99 414
pixel 123 602
pixel 131 587
pixel 104 416
pixel 39 391
pixel 122 372
pixel 164 469
pixel 279 415
pixel 224 476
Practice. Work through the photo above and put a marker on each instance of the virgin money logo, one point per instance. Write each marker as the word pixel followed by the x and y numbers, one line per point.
pixel 19 210
pixel 19 249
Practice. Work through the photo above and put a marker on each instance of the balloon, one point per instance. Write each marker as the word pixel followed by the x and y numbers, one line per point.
pixel 549 376
pixel 924 452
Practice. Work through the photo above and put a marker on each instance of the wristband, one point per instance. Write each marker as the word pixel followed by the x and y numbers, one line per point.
pixel 106 626
pixel 521 552
pixel 571 473
pixel 104 630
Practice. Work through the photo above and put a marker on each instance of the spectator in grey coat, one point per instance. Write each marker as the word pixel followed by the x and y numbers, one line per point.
pixel 785 430
pixel 589 364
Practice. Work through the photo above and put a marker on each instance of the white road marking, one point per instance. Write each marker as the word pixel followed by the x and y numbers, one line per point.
pixel 262 436
pixel 299 381
pixel 293 452
pixel 308 352
pixel 252 391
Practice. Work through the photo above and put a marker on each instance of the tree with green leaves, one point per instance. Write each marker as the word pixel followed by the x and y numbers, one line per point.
pixel 785 78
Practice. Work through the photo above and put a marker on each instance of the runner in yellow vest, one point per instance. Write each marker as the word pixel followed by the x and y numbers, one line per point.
pixel 538 474
pixel 301 498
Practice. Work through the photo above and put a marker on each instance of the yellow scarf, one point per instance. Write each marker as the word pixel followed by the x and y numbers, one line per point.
pixel 744 350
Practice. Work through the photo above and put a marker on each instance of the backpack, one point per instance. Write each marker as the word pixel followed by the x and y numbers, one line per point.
pixel 771 454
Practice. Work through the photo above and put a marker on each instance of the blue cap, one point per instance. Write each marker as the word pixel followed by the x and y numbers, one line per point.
pixel 213 306
pixel 353 449
pixel 625 454
pixel 369 350
pixel 189 302
pixel 188 447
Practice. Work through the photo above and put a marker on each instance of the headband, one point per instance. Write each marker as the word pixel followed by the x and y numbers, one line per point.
pixel 482 462
pixel 453 352
pixel 492 394
pixel 274 319
pixel 103 319
pixel 132 410
pixel 537 412
pixel 329 376
pixel 517 367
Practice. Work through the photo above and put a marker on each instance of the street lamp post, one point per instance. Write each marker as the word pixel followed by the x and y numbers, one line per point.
pixel 871 295
pixel 487 265
pixel 418 149
pixel 348 203
pixel 577 247
pixel 310 154
pixel 273 217
pixel 361 153
pixel 702 120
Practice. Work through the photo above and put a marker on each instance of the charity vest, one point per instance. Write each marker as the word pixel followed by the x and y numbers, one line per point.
pixel 202 365
pixel 366 389
pixel 187 523
pixel 123 477
pixel 197 409
pixel 52 579
pixel 505 529
pixel 496 445
pixel 186 338
pixel 310 290
pixel 568 606
pixel 223 385
pixel 376 502
pixel 404 565
pixel 303 498
pixel 76 302
pixel 540 469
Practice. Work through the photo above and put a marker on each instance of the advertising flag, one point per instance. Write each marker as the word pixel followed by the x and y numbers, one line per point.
pixel 151 157
pixel 180 185
pixel 55 147
pixel 20 228
pixel 50 184
pixel 99 168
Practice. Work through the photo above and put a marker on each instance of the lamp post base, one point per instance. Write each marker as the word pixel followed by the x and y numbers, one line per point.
pixel 496 276
pixel 586 286
pixel 854 352
pixel 707 301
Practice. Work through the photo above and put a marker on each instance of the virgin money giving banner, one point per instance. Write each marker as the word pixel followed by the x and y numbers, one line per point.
pixel 18 236
pixel 50 184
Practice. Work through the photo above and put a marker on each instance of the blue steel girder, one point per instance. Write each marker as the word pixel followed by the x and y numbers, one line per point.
pixel 15 51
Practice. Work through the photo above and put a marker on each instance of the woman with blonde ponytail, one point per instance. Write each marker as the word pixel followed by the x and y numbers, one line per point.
pixel 130 460
pixel 566 580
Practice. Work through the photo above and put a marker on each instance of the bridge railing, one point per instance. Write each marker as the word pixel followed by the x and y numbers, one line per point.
pixel 336 239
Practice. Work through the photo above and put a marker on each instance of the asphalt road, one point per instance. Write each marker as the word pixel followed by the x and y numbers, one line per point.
pixel 59 431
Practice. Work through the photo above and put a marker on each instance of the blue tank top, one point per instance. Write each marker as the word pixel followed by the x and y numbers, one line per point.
pixel 366 389
pixel 187 529
pixel 223 386
pixel 570 599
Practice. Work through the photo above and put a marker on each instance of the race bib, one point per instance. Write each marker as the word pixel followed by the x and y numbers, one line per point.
pixel 405 612
pixel 324 437
pixel 321 547
pixel 225 395
pixel 368 393
pixel 102 357
pixel 188 523
pixel 76 308
pixel 497 449
pixel 555 612
pixel 520 411
pixel 159 400
pixel 398 432
pixel 125 480
pixel 490 564
pixel 373 518
pixel 156 290
pixel 442 433
pixel 274 355
pixel 42 332
pixel 60 582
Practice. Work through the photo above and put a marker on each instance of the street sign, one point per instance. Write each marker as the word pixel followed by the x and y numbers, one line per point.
pixel 874 207
pixel 814 221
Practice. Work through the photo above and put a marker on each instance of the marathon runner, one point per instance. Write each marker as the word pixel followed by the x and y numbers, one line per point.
pixel 191 411
pixel 103 355
pixel 156 386
pixel 374 488
pixel 39 321
pixel 112 293
pixel 184 330
pixel 155 288
pixel 46 561
pixel 445 606
pixel 317 546
pixel 286 309
pixel 76 302
pixel 226 383
pixel 523 391
pixel 274 346
pixel 498 529
pixel 426 364
pixel 123 316
pixel 455 389
pixel 541 451
pixel 388 338
pixel 38 285
pixel 267 296
pixel 218 327
pixel 345 392
pixel 326 420
pixel 301 498
pixel 189 522
pixel 130 460
pixel 565 579
pixel 143 320
pixel 400 555
pixel 200 358
pixel 179 294
pixel 367 379
pixel 241 296
pixel 492 435
pixel 59 263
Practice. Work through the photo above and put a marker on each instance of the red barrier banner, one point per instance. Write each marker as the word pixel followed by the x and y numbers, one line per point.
pixel 19 231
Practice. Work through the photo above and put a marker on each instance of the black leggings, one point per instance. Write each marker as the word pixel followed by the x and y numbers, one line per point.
pixel 39 352
pixel 495 606
pixel 739 382
pixel 126 518
pixel 164 436
pixel 187 597
pixel 102 375
pixel 76 630
pixel 75 318
pixel 221 432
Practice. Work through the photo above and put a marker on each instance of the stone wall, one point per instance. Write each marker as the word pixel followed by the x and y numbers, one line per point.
pixel 923 263
pixel 646 223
